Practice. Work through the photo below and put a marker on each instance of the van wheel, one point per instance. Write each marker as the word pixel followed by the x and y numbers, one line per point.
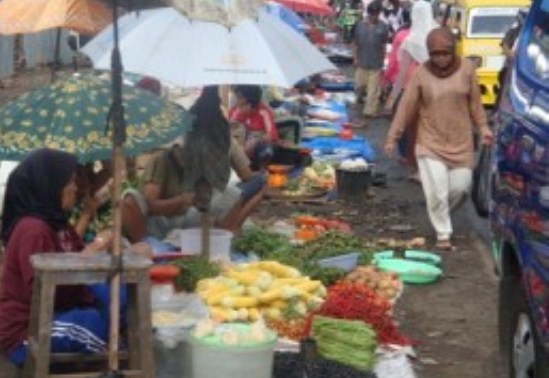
pixel 520 347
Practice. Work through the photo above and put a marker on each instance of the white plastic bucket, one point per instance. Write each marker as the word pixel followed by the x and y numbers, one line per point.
pixel 231 362
pixel 220 243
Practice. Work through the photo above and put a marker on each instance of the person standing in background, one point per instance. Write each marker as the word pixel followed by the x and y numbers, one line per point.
pixel 443 98
pixel 508 48
pixel 391 71
pixel 411 53
pixel 391 14
pixel 369 45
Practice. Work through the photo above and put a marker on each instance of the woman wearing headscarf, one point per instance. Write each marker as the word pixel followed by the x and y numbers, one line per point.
pixel 39 196
pixel 411 53
pixel 443 98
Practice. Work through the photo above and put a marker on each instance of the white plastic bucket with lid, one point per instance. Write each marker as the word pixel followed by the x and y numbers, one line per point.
pixel 220 243
pixel 228 361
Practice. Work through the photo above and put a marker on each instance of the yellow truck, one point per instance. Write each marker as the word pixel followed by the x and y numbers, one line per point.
pixel 479 26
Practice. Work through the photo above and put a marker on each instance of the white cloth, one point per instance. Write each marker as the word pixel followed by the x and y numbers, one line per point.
pixel 422 23
pixel 445 188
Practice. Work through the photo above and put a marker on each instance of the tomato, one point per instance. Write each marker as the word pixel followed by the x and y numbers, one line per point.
pixel 163 273
pixel 346 134
pixel 306 220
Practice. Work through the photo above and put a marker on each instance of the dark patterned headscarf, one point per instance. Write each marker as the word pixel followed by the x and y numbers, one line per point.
pixel 34 188
pixel 206 147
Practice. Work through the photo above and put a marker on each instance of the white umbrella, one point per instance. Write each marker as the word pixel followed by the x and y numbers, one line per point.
pixel 164 44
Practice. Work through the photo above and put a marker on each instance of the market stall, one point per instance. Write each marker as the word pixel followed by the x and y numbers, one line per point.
pixel 303 294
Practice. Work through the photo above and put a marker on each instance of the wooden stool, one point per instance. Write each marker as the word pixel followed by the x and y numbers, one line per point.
pixel 54 269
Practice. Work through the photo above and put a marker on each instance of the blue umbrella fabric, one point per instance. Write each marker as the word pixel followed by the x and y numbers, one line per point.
pixel 286 15
pixel 71 115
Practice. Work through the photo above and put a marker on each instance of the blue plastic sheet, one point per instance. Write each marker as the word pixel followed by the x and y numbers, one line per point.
pixel 347 86
pixel 335 148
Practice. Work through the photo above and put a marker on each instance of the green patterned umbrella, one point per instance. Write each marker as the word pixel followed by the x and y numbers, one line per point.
pixel 71 115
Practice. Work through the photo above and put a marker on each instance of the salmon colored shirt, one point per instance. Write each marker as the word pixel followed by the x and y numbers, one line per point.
pixel 446 110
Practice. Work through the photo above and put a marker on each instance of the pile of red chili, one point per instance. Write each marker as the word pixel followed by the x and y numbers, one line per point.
pixel 347 300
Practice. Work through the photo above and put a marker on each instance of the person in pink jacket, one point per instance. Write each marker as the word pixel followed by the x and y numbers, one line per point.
pixel 411 53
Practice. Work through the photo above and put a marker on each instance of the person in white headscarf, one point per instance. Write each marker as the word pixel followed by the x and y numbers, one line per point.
pixel 412 52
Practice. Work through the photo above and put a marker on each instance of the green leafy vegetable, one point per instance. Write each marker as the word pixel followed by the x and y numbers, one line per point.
pixel 193 270
pixel 260 241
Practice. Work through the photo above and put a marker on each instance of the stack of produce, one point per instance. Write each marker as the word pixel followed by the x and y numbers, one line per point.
pixel 349 342
pixel 267 288
pixel 235 334
pixel 347 300
pixel 386 285
pixel 322 224
pixel 292 328
pixel 320 174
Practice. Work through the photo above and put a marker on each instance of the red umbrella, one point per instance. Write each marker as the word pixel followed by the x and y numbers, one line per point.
pixel 319 7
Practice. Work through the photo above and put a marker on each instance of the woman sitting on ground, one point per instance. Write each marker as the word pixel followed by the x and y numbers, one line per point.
pixel 258 119
pixel 40 194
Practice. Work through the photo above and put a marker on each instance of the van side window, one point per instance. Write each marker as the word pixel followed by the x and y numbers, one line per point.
pixel 491 22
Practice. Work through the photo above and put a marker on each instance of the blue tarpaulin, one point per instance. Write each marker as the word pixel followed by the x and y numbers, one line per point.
pixel 335 148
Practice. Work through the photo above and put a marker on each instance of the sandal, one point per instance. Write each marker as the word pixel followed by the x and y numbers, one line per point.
pixel 414 177
pixel 445 245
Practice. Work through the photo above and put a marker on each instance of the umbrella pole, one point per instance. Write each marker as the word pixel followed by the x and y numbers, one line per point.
pixel 114 336
pixel 119 136
pixel 205 234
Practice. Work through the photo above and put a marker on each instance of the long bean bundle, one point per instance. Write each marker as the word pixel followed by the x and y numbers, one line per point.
pixel 350 342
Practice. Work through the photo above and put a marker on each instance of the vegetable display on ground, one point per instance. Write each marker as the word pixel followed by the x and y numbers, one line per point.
pixel 350 342
pixel 346 300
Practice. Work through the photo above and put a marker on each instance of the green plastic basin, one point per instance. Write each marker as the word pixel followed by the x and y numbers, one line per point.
pixel 412 255
pixel 410 271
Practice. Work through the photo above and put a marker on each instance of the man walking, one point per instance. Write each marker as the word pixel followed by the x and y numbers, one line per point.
pixel 369 42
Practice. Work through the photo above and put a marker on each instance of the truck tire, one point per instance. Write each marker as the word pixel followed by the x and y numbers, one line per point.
pixel 521 350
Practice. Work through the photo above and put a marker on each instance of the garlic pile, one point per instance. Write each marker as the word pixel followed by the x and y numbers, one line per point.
pixel 358 164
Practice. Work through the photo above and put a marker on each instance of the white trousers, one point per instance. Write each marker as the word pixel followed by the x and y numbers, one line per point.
pixel 445 188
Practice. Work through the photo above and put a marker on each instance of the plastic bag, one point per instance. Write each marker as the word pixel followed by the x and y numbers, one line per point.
pixel 480 193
